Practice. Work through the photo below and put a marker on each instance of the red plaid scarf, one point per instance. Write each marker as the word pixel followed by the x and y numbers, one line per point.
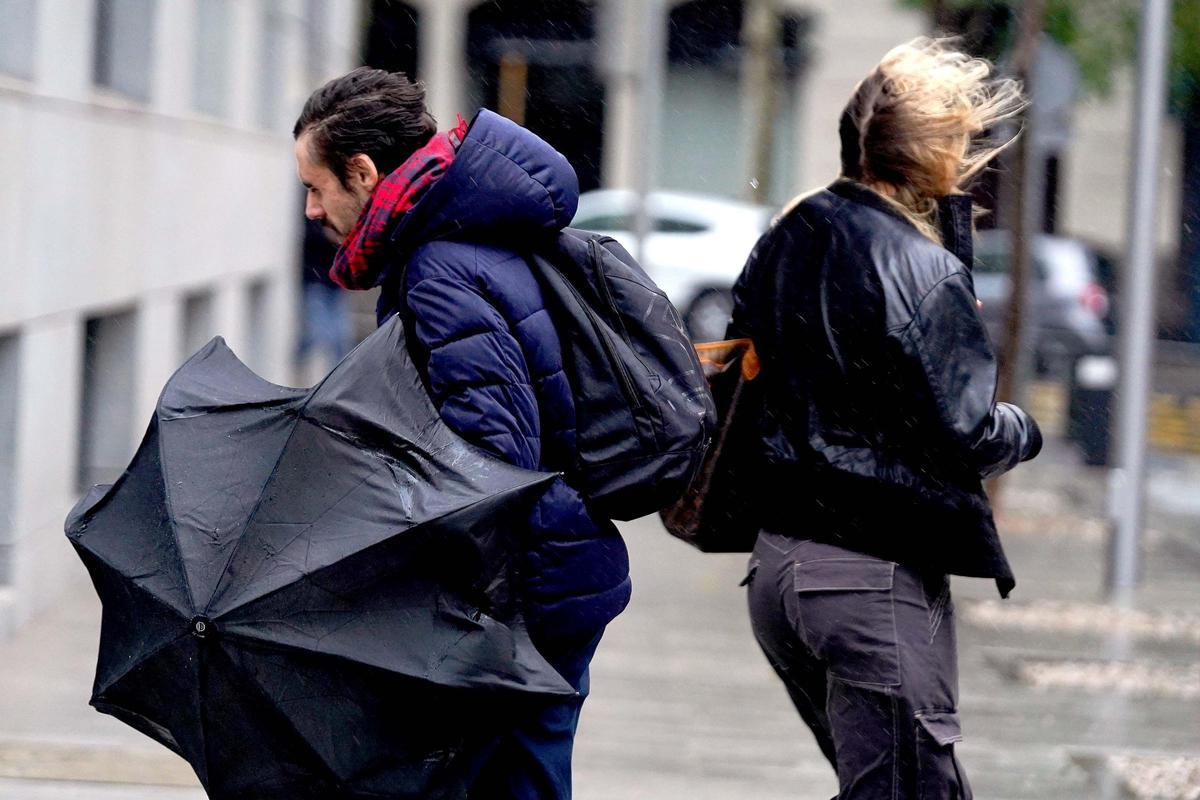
pixel 358 263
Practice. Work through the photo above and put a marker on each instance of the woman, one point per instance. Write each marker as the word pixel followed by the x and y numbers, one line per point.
pixel 878 425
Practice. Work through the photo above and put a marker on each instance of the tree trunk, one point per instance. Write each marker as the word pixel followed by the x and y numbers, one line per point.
pixel 1023 161
pixel 760 77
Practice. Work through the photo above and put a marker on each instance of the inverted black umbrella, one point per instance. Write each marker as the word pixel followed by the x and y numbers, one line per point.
pixel 306 592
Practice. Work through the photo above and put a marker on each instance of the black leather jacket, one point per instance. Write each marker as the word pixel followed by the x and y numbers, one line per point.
pixel 879 419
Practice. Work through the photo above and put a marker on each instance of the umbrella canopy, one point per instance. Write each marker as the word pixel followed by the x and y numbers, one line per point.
pixel 306 592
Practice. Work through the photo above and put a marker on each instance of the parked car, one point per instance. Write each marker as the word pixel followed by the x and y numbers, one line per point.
pixel 696 248
pixel 1070 306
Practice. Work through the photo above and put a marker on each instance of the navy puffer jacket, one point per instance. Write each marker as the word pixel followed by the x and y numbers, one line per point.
pixel 492 357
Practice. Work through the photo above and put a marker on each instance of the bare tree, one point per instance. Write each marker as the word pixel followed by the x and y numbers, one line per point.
pixel 1021 196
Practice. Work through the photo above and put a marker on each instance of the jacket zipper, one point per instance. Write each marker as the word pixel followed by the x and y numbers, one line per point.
pixel 622 374
pixel 598 263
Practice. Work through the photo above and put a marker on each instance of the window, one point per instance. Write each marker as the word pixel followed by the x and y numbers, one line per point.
pixel 270 64
pixel 199 323
pixel 16 37
pixel 9 380
pixel 665 225
pixel 997 262
pixel 624 222
pixel 125 46
pixel 210 81
pixel 106 419
pixel 257 323
pixel 316 31
pixel 611 222
pixel 991 263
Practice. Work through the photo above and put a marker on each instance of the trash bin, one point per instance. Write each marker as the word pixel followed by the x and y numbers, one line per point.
pixel 1092 381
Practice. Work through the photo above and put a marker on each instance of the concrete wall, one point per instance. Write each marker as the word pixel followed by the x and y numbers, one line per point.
pixel 112 204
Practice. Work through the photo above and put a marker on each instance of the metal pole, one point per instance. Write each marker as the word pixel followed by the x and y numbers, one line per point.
pixel 1137 311
pixel 652 59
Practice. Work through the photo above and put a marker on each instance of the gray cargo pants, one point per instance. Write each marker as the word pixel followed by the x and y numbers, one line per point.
pixel 866 649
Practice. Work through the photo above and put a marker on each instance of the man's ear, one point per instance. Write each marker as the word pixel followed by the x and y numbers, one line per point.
pixel 361 173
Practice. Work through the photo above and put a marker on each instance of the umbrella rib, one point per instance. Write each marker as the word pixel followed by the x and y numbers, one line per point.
pixel 415 528
pixel 250 518
pixel 258 504
pixel 271 705
pixel 342 657
pixel 101 689
pixel 282 401
pixel 408 447
pixel 254 512
pixel 162 461
pixel 306 527
pixel 183 613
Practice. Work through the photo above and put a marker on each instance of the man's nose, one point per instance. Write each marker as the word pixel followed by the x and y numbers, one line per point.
pixel 313 210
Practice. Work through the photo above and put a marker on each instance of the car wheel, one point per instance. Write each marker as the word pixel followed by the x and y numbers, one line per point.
pixel 708 315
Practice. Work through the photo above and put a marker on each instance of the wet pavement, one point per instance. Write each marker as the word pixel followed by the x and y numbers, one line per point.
pixel 1062 695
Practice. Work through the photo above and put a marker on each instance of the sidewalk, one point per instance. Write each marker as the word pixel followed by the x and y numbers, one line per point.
pixel 1060 693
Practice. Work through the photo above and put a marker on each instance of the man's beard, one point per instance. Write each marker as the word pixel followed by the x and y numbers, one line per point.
pixel 335 234
pixel 332 234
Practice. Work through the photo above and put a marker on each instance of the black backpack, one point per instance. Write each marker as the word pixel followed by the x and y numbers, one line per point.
pixel 643 410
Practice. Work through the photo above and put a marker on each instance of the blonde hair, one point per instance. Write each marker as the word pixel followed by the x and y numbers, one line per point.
pixel 912 129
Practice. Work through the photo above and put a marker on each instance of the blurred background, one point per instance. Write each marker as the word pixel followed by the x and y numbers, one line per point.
pixel 148 201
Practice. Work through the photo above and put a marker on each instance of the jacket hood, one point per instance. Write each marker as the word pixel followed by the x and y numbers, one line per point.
pixel 503 178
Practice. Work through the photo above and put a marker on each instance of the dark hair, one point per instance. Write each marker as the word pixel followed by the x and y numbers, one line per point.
pixel 371 111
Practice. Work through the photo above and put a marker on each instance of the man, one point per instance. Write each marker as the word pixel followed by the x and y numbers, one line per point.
pixel 440 221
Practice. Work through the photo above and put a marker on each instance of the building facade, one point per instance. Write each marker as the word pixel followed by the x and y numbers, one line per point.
pixel 148 201
pixel 590 57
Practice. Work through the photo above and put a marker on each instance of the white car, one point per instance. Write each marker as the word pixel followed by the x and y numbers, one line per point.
pixel 696 249
pixel 1070 307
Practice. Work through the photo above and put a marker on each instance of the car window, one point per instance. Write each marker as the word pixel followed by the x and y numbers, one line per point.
pixel 665 225
pixel 990 264
pixel 995 263
pixel 624 222
pixel 608 222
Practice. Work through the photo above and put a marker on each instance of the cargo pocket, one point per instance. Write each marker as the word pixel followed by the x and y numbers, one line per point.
pixel 845 615
pixel 939 775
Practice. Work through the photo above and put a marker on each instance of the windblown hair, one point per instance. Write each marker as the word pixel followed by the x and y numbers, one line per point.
pixel 380 114
pixel 914 125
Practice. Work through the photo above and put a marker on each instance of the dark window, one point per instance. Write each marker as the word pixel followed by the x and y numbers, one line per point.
pixel 257 325
pixel 392 37
pixel 1050 208
pixel 210 81
pixel 537 61
pixel 9 381
pixel 316 29
pixel 624 222
pixel 125 46
pixel 998 262
pixel 199 324
pixel 16 37
pixel 664 225
pixel 270 64
pixel 611 222
pixel 106 421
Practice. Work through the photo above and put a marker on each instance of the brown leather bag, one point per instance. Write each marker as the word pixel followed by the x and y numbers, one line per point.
pixel 716 514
